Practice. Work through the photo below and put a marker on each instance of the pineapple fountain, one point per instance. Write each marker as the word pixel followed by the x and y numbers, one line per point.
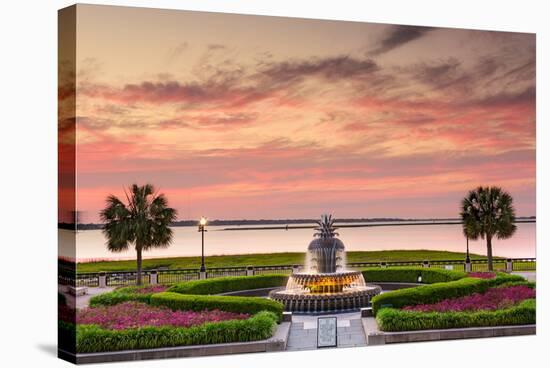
pixel 326 285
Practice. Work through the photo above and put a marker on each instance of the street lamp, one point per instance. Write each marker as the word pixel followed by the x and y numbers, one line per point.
pixel 202 224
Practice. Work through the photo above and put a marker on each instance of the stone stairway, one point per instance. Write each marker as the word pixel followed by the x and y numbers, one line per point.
pixel 303 332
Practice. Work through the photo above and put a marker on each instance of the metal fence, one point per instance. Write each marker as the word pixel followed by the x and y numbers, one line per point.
pixel 68 276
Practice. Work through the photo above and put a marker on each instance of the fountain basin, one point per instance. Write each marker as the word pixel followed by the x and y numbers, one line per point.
pixel 325 292
pixel 347 300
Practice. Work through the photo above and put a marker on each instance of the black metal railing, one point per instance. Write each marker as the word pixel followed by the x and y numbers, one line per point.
pixel 177 275
pixel 225 271
pixel 68 276
pixel 126 278
pixel 87 279
pixel 266 270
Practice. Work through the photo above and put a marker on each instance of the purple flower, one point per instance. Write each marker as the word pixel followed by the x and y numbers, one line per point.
pixel 134 315
pixel 150 289
pixel 492 299
pixel 482 275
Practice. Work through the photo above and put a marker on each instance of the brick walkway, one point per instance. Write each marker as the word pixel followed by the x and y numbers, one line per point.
pixel 303 332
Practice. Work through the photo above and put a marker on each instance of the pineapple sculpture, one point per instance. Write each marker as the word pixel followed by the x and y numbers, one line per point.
pixel 326 252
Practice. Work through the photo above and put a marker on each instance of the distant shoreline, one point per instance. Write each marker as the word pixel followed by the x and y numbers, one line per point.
pixel 269 259
pixel 348 223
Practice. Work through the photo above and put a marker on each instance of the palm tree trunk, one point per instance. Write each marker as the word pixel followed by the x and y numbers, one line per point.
pixel 489 253
pixel 138 250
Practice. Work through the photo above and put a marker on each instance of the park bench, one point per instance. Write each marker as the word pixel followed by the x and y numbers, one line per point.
pixel 78 291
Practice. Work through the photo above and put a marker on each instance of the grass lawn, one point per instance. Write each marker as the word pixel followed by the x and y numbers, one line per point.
pixel 270 259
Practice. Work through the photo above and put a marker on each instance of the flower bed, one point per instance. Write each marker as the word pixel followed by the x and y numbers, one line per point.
pixel 93 338
pixel 135 315
pixel 236 304
pixel 482 275
pixel 149 289
pixel 430 294
pixel 492 299
pixel 127 294
pixel 391 319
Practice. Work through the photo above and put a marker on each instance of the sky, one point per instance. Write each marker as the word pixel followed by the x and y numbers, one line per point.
pixel 255 117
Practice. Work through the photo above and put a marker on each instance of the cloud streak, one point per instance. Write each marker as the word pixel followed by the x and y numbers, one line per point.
pixel 398 36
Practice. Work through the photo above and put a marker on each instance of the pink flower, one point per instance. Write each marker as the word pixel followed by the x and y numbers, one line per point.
pixel 134 315
pixel 150 289
pixel 492 299
pixel 482 275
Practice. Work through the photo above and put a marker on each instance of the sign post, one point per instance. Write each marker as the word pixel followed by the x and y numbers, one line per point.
pixel 326 332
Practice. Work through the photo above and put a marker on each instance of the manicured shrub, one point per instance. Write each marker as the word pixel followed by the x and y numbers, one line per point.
pixel 61 299
pixel 92 338
pixel 503 277
pixel 429 294
pixel 236 304
pixel 66 336
pixel 391 319
pixel 411 274
pixel 529 284
pixel 126 294
pixel 227 284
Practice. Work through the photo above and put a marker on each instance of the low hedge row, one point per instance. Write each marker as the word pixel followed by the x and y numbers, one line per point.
pixel 226 284
pixel 428 294
pixel 61 299
pixel 126 294
pixel 91 338
pixel 237 304
pixel 411 274
pixel 66 336
pixel 391 319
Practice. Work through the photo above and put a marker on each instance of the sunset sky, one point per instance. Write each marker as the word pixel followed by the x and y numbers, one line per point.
pixel 255 117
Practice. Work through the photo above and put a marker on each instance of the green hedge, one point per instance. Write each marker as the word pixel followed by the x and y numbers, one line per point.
pixel 92 338
pixel 237 304
pixel 66 336
pixel 411 274
pixel 227 284
pixel 434 293
pixel 125 294
pixel 391 319
pixel 61 299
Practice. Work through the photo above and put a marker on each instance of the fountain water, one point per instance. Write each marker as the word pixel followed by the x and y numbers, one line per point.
pixel 325 285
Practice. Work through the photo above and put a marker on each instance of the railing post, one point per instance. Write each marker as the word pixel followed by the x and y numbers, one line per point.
pixel 295 268
pixel 153 277
pixel 202 275
pixel 426 264
pixel 102 280
pixel 249 270
pixel 468 266
pixel 509 265
pixel 383 265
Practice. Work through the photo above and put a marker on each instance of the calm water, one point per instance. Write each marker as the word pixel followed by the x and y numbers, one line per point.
pixel 187 241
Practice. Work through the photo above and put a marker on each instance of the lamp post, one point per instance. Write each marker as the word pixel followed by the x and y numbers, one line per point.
pixel 202 224
pixel 468 264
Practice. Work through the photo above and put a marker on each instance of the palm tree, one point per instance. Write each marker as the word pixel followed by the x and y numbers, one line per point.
pixel 487 212
pixel 143 222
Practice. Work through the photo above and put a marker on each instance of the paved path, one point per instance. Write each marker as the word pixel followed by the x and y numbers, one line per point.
pixel 303 332
pixel 529 275
pixel 83 300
